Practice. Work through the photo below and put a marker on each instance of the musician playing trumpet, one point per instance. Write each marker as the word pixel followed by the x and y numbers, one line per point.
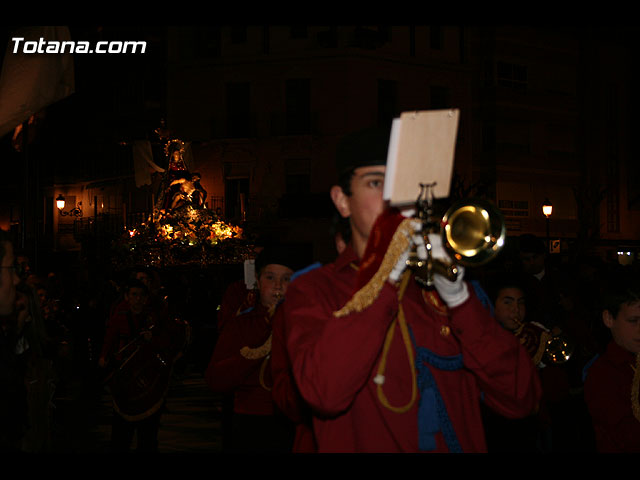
pixel 385 364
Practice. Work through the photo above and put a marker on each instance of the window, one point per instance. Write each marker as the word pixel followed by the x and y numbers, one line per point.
pixel 387 101
pixel 238 109
pixel 512 76
pixel 514 208
pixel 298 106
pixel 298 31
pixel 238 35
pixel 436 37
pixel 297 176
pixel 440 97
pixel 206 43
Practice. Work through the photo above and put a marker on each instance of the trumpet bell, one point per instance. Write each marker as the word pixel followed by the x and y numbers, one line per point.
pixel 473 232
pixel 559 350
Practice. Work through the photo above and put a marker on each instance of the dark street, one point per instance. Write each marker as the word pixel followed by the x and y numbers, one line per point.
pixel 190 422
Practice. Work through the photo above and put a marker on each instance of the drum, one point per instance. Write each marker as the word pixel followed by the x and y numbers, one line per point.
pixel 139 386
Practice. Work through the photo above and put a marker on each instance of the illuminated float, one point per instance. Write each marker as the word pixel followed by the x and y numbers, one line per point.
pixel 182 231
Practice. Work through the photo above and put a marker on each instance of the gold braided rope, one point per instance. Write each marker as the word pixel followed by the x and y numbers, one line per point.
pixel 364 297
pixel 263 368
pixel 401 320
pixel 635 389
pixel 258 352
pixel 264 349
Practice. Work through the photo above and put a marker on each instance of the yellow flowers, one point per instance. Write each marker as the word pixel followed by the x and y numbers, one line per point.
pixel 193 234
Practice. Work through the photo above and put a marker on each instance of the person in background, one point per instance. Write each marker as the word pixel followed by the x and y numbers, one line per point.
pixel 133 326
pixel 507 293
pixel 612 381
pixel 241 360
pixel 13 316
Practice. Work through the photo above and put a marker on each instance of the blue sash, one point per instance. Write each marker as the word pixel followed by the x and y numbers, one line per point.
pixel 432 412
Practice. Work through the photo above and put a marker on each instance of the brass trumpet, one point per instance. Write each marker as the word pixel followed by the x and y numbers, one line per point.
pixel 473 232
pixel 558 349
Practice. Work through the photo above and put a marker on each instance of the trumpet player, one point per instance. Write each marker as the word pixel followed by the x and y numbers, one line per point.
pixel 385 364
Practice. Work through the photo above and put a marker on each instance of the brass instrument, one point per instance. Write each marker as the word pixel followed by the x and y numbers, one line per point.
pixel 558 349
pixel 544 346
pixel 473 233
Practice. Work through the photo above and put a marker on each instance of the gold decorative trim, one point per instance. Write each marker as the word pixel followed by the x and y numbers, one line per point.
pixel 364 297
pixel 258 352
pixel 263 369
pixel 635 389
pixel 379 378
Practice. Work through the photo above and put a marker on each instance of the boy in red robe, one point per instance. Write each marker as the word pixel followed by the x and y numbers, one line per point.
pixel 611 385
pixel 402 368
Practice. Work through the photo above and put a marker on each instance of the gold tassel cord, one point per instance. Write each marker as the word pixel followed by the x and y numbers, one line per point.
pixel 264 349
pixel 263 369
pixel 401 321
pixel 364 297
pixel 635 389
pixel 258 352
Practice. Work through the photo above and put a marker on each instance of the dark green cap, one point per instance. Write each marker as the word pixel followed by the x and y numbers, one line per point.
pixel 363 149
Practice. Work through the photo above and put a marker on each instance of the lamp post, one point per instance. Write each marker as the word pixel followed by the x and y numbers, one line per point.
pixel 60 202
pixel 75 211
pixel 547 210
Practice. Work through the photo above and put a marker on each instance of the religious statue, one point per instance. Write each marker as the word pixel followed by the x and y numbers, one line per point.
pixel 179 186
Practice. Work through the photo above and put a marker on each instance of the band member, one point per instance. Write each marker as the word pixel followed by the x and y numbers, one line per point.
pixel 386 365
pixel 241 361
pixel 612 382
pixel 139 349
pixel 530 434
pixel 13 316
pixel 510 308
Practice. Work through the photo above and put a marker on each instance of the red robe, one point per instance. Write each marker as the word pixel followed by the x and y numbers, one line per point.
pixel 285 392
pixel 335 360
pixel 237 299
pixel 231 371
pixel 124 327
pixel 607 392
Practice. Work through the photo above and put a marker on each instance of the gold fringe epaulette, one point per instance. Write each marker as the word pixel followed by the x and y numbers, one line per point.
pixel 258 352
pixel 364 297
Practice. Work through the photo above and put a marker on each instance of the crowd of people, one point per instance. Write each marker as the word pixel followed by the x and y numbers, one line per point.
pixel 65 340
pixel 522 355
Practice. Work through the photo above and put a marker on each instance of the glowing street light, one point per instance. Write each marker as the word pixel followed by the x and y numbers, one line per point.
pixel 547 208
pixel 60 202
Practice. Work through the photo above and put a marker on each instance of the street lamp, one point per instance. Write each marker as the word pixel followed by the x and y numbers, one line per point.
pixel 75 211
pixel 60 202
pixel 547 210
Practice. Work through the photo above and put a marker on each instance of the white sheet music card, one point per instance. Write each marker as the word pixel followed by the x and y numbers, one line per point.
pixel 421 151
pixel 250 273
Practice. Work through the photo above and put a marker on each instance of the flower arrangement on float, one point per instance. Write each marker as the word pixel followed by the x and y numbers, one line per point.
pixel 185 236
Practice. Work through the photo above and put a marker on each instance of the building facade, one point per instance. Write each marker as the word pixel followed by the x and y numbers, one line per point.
pixel 544 116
